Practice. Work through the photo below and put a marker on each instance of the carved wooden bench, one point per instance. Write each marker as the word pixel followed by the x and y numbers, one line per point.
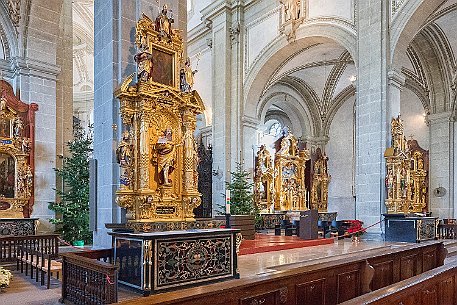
pixel 38 255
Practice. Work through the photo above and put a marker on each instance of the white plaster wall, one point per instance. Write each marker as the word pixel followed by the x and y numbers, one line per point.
pixel 260 33
pixel 193 14
pixel 203 81
pixel 412 113
pixel 341 160
pixel 331 8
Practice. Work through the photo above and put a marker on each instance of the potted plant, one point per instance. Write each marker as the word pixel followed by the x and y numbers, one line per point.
pixel 5 278
pixel 243 210
pixel 72 206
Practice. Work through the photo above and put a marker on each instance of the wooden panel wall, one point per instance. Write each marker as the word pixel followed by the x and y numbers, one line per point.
pixel 435 287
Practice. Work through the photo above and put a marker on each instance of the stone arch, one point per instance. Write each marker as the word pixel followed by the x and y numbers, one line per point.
pixel 8 34
pixel 294 103
pixel 406 24
pixel 338 100
pixel 280 49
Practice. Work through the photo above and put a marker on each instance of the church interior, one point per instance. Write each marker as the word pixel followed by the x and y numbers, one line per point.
pixel 228 152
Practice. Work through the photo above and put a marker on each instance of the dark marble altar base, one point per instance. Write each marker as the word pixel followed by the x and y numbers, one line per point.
pixel 327 216
pixel 157 261
pixel 404 228
pixel 149 226
pixel 17 226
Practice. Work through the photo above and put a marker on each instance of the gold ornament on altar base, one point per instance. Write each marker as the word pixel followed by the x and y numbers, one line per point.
pixel 157 153
pixel 406 179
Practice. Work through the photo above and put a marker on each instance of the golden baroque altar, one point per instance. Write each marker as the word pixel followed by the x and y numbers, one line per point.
pixel 157 153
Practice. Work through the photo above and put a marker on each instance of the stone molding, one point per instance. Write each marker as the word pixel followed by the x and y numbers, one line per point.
pixel 32 67
pixel 439 118
pixel 250 122
pixel 396 79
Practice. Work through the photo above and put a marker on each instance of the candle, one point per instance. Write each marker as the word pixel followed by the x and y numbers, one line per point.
pixel 227 202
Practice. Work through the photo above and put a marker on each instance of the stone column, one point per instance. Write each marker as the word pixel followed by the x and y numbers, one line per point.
pixel 114 49
pixel 441 163
pixel 219 18
pixel 250 138
pixel 371 110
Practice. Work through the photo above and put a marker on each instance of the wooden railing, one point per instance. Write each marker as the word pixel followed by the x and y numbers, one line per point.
pixel 437 286
pixel 324 282
pixel 89 278
pixel 10 245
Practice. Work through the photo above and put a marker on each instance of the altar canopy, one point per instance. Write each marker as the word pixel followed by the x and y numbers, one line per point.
pixel 157 153
pixel 17 127
pixel 406 179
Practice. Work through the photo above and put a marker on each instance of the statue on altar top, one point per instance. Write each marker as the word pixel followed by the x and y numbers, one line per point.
pixel 164 21
pixel 187 77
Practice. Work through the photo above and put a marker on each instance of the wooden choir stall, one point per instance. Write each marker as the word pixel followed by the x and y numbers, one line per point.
pixel 17 128
pixel 164 246
pixel 406 182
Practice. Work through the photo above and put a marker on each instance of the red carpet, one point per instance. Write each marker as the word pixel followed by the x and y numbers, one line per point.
pixel 268 243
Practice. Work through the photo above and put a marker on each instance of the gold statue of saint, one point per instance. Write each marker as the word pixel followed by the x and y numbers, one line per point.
pixel 165 156
pixel 124 150
pixel 163 23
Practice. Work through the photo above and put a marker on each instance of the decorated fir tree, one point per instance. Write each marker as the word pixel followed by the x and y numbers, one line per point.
pixel 72 205
pixel 241 197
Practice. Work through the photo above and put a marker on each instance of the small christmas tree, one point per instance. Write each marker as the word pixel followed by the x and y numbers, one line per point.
pixel 72 208
pixel 241 197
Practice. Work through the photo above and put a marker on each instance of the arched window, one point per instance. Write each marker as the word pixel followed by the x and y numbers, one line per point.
pixel 275 129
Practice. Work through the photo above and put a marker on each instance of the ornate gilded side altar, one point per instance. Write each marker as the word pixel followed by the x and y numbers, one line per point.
pixel 419 176
pixel 17 127
pixel 406 179
pixel 157 153
pixel 289 182
pixel 263 180
pixel 320 181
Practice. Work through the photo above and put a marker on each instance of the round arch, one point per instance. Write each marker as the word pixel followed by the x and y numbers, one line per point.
pixel 292 101
pixel 406 24
pixel 280 50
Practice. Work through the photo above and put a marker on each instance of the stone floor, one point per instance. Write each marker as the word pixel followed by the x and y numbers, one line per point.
pixel 25 291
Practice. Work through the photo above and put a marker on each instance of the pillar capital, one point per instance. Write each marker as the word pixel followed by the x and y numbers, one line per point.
pixel 396 79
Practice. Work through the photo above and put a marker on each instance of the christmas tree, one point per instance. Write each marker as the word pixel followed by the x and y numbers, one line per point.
pixel 241 197
pixel 72 206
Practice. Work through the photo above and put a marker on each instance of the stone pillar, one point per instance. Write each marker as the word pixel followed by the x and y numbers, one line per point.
pixel 114 49
pixel 250 145
pixel 223 130
pixel 441 163
pixel 371 113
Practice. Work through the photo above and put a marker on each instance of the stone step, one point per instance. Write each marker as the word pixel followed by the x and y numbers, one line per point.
pixel 451 251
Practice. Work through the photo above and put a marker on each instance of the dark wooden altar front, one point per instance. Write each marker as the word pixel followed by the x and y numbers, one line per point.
pixel 404 228
pixel 157 261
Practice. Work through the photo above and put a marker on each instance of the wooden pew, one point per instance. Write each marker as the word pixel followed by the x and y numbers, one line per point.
pixel 326 281
pixel 437 286
pixel 38 254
